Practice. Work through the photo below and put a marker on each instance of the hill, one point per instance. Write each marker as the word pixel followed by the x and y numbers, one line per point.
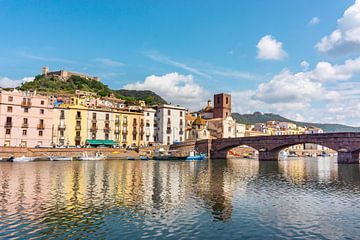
pixel 147 95
pixel 55 85
pixel 258 117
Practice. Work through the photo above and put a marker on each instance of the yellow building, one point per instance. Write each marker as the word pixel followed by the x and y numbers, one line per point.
pixel 70 125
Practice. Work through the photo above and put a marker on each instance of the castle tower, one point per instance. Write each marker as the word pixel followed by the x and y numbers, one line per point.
pixel 45 71
pixel 222 105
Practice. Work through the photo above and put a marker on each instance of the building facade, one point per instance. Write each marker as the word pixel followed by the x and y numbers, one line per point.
pixel 26 119
pixel 149 128
pixel 170 122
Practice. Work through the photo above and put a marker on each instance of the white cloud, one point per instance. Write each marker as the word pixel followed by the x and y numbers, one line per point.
pixel 346 37
pixel 6 82
pixel 314 21
pixel 322 94
pixel 109 62
pixel 305 65
pixel 174 88
pixel 270 49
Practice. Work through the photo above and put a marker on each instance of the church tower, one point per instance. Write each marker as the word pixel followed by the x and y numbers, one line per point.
pixel 222 105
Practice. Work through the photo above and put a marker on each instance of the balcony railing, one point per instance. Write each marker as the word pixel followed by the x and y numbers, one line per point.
pixel 8 124
pixel 41 126
pixel 93 128
pixel 107 121
pixel 77 127
pixel 24 125
pixel 94 120
pixel 77 138
pixel 26 104
pixel 117 122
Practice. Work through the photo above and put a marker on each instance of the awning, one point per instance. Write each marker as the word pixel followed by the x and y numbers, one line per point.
pixel 96 142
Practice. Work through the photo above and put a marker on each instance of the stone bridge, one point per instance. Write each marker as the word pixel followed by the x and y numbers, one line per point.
pixel 346 144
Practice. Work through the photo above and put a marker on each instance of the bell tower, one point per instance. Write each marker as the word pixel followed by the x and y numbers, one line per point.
pixel 222 105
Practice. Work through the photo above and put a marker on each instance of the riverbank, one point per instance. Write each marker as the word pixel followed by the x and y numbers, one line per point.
pixel 42 153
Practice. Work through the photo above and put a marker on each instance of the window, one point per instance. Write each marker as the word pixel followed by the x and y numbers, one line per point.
pixel 93 136
pixel 106 136
pixel 134 137
pixel 41 121
pixel 42 102
pixel 24 132
pixel 42 111
pixel 107 116
pixel 227 100
pixel 25 121
pixel 8 120
pixel 168 140
pixel 10 98
pixel 40 133
pixel 78 114
pixel 147 114
pixel 181 113
pixel 169 112
pixel 9 109
pixel 94 116
pixel 7 131
pixel 181 139
pixel 26 110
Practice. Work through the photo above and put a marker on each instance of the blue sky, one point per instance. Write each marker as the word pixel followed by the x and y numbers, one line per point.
pixel 188 50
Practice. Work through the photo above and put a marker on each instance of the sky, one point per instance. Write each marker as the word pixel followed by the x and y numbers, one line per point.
pixel 298 58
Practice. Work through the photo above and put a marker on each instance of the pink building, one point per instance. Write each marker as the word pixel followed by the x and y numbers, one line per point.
pixel 25 119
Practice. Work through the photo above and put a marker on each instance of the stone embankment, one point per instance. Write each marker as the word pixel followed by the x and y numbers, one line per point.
pixel 111 153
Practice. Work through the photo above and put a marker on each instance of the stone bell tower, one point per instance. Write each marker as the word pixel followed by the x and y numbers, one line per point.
pixel 222 105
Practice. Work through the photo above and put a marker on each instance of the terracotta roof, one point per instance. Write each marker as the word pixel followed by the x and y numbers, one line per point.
pixel 189 117
pixel 199 121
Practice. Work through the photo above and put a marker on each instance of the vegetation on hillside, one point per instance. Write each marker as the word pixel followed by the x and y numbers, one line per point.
pixel 55 85
pixel 258 117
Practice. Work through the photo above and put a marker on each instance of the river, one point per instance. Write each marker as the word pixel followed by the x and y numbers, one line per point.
pixel 312 198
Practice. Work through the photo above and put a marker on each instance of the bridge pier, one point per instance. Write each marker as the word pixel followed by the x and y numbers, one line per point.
pixel 218 154
pixel 348 157
pixel 268 155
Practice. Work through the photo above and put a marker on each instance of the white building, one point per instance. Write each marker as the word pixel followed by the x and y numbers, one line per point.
pixel 170 124
pixel 149 129
pixel 225 128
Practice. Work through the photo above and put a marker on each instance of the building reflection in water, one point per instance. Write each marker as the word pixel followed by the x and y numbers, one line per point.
pixel 59 195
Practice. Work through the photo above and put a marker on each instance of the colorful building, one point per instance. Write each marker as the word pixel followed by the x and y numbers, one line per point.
pixel 26 119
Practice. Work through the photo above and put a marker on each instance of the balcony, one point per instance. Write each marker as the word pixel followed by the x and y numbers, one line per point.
pixel 168 130
pixel 107 121
pixel 117 122
pixel 107 130
pixel 116 131
pixel 78 138
pixel 24 125
pixel 181 132
pixel 26 104
pixel 78 117
pixel 77 127
pixel 40 126
pixel 8 124
pixel 94 120
pixel 61 126
pixel 93 129
pixel 125 131
pixel 125 123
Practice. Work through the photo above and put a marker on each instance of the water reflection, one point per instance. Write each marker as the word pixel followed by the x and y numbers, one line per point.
pixel 178 199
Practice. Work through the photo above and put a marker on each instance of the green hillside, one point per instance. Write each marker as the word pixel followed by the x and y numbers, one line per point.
pixel 258 117
pixel 147 95
pixel 55 85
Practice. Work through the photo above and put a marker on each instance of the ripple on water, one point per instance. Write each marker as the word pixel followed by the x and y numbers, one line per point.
pixel 304 198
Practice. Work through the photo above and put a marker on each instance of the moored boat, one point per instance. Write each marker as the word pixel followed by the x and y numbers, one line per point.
pixel 144 158
pixel 85 157
pixel 194 156
pixel 57 158
pixel 21 159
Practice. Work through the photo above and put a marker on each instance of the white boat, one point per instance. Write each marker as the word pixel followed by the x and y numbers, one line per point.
pixel 85 157
pixel 21 159
pixel 55 158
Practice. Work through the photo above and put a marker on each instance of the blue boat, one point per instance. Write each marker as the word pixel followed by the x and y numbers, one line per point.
pixel 130 158
pixel 144 158
pixel 194 156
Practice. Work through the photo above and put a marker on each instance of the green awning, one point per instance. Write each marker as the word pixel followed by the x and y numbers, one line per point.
pixel 96 142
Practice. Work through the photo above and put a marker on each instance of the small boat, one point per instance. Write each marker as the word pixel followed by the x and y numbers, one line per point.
pixel 85 157
pixel 130 158
pixel 55 158
pixel 324 154
pixel 194 156
pixel 21 159
pixel 144 158
pixel 162 154
pixel 284 154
